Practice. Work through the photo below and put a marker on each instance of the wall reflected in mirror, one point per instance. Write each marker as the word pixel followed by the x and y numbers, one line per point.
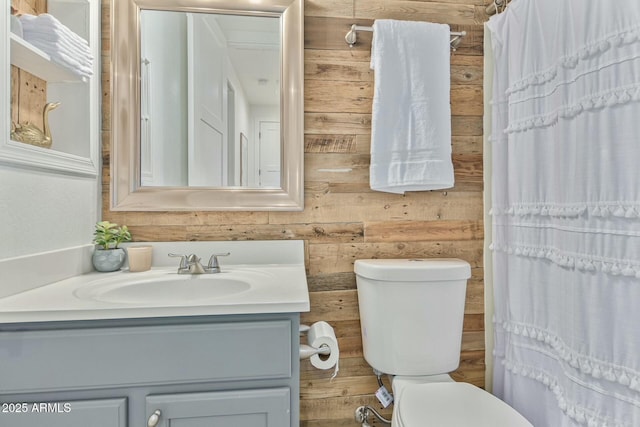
pixel 209 100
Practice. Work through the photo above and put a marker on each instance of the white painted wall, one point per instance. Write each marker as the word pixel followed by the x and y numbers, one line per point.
pixel 41 211
pixel 164 42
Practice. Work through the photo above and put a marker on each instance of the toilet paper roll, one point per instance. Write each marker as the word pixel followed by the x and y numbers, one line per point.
pixel 322 334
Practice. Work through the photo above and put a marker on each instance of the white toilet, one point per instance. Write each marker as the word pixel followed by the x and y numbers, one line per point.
pixel 411 313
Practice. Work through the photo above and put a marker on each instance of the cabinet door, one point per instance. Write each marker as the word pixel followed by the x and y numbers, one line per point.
pixel 243 408
pixel 84 413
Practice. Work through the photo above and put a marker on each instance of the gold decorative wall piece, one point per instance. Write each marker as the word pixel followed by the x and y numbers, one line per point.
pixel 31 134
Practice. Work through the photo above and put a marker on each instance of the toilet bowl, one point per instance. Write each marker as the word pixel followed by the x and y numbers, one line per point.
pixel 450 404
pixel 411 314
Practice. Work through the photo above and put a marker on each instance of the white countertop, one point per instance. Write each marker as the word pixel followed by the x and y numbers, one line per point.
pixel 284 291
pixel 58 302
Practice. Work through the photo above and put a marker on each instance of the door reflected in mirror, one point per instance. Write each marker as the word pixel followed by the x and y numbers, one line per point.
pixel 209 100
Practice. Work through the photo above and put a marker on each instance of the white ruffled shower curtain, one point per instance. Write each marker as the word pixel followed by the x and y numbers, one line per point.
pixel 566 210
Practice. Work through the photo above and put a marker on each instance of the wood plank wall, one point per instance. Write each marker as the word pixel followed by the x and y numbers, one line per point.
pixel 28 92
pixel 343 219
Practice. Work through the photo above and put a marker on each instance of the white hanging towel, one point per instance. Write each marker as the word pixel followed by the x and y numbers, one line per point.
pixel 411 123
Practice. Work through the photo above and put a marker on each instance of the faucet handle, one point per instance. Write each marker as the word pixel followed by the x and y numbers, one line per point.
pixel 184 262
pixel 214 266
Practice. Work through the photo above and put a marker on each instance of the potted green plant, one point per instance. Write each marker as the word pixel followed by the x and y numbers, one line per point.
pixel 107 256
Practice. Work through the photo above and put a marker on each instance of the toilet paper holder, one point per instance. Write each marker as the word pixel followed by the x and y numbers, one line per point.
pixel 322 346
pixel 306 351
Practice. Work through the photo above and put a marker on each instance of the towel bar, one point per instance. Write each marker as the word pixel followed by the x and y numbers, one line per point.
pixel 352 36
pixel 497 6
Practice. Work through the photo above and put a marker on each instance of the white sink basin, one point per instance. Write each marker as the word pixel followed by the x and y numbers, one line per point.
pixel 259 277
pixel 169 288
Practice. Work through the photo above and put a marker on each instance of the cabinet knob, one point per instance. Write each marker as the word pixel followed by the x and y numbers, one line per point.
pixel 154 418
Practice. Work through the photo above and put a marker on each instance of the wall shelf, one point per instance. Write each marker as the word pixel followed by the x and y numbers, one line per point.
pixel 26 56
pixel 75 126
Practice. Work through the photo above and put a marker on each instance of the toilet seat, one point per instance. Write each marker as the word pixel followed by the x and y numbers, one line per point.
pixel 452 404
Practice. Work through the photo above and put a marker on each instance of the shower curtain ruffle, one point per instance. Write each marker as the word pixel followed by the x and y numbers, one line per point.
pixel 586 365
pixel 589 103
pixel 620 209
pixel 581 415
pixel 581 262
pixel 584 59
pixel 565 211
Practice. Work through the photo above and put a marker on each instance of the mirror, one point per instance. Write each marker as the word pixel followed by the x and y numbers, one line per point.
pixel 206 79
pixel 196 125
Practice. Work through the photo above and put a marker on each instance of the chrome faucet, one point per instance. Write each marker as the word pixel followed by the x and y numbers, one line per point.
pixel 190 264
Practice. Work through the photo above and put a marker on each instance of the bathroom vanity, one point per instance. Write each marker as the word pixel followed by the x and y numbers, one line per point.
pixel 70 357
pixel 240 369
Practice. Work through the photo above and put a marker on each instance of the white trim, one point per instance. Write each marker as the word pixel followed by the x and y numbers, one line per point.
pixel 14 153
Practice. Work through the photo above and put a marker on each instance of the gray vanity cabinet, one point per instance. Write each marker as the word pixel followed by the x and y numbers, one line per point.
pixel 244 408
pixel 223 371
pixel 84 413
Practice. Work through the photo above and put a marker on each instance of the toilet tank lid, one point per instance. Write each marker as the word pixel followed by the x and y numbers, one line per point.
pixel 413 270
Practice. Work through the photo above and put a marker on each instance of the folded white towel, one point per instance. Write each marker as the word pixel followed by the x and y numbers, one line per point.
pixel 49 24
pixel 58 41
pixel 62 57
pixel 82 48
pixel 16 26
pixel 411 120
pixel 45 34
pixel 62 46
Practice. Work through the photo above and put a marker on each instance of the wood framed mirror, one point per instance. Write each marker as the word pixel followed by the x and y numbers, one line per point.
pixel 207 42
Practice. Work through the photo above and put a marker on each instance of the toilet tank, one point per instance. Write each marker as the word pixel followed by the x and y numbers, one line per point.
pixel 411 313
